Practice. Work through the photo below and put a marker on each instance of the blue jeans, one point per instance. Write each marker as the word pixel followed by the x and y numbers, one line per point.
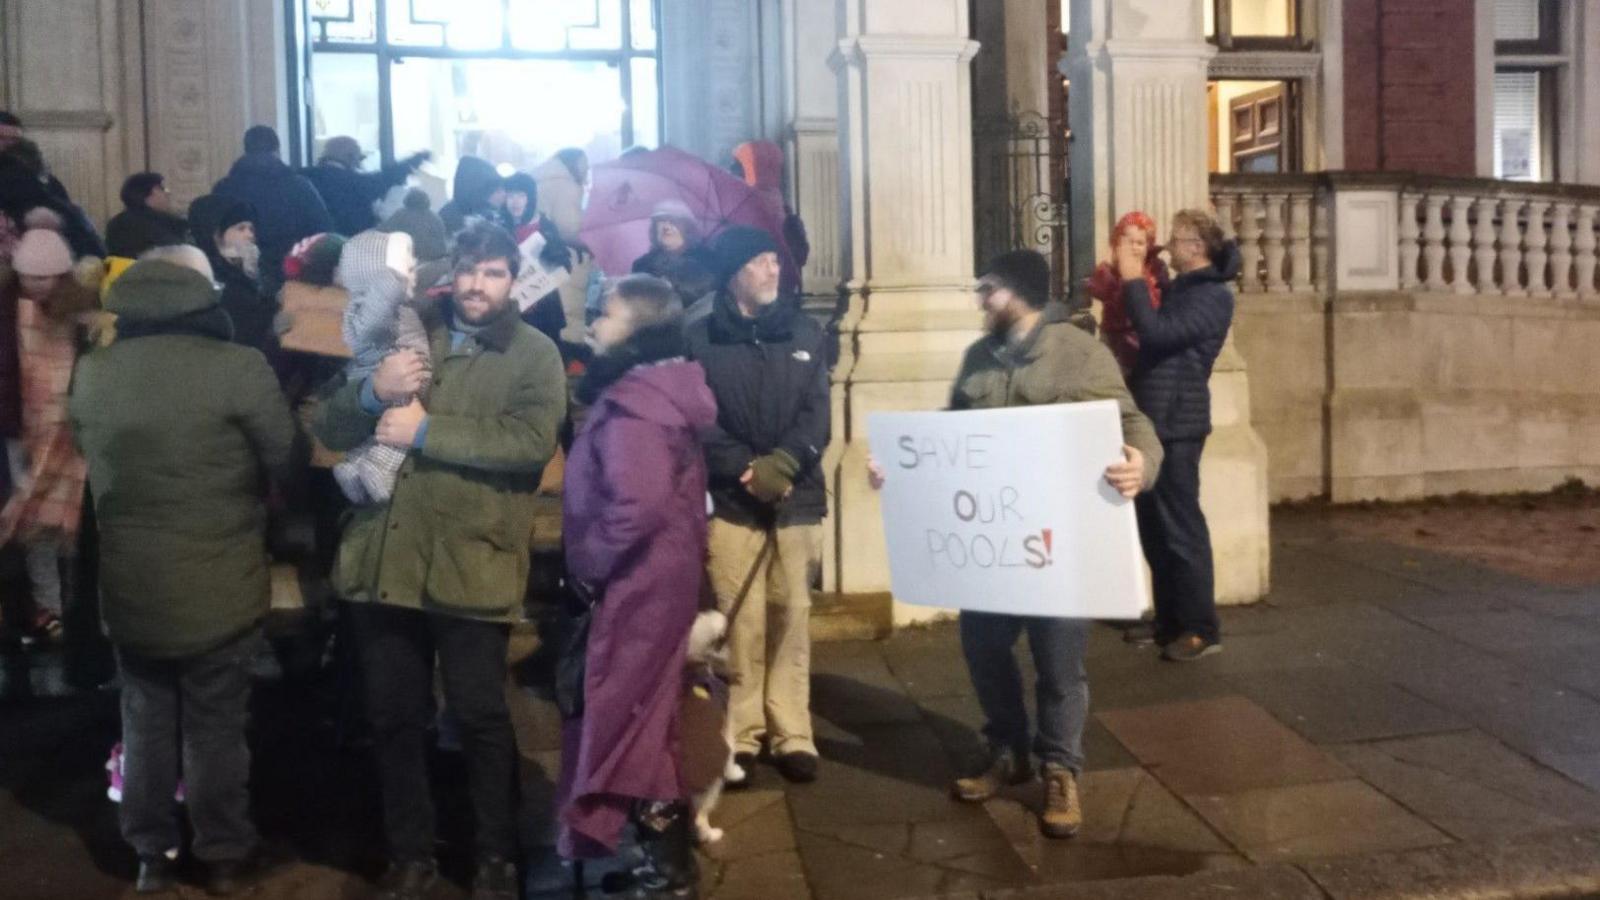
pixel 1062 686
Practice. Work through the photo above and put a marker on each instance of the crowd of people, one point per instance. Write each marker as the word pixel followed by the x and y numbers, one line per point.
pixel 145 391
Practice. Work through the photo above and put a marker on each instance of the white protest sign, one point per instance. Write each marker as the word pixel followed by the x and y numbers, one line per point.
pixel 1008 511
pixel 535 280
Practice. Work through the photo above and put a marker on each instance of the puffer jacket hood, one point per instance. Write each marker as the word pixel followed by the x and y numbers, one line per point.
pixel 523 183
pixel 1224 266
pixel 763 164
pixel 475 180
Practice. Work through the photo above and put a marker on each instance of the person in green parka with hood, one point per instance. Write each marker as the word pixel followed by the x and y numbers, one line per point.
pixel 183 432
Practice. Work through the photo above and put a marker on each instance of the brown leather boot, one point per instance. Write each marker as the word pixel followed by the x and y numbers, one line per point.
pixel 1062 815
pixel 1005 768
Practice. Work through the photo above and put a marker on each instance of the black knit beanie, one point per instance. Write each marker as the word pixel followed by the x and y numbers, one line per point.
pixel 1025 272
pixel 738 245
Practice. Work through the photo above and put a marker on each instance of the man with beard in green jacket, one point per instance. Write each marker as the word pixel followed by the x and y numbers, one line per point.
pixel 441 569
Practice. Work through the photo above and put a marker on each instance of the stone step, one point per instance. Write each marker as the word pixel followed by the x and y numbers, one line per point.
pixel 850 617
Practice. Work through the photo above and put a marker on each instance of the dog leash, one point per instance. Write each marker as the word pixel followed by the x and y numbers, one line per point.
pixel 749 582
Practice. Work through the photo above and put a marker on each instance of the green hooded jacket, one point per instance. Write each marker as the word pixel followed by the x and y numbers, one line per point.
pixel 455 536
pixel 182 431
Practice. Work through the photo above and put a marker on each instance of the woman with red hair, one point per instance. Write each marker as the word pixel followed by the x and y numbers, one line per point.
pixel 1105 285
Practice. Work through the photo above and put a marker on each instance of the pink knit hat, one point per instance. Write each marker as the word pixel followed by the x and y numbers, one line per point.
pixel 42 253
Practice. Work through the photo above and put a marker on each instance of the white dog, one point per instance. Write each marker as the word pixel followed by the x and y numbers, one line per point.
pixel 707 648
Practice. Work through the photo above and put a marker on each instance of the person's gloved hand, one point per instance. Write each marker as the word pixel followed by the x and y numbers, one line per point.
pixel 416 159
pixel 771 477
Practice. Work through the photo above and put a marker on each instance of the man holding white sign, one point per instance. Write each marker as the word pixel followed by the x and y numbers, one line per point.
pixel 1027 359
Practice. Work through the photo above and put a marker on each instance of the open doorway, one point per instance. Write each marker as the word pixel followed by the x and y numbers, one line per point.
pixel 1254 126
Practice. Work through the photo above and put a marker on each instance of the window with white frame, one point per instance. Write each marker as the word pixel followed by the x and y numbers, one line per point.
pixel 511 81
pixel 1531 59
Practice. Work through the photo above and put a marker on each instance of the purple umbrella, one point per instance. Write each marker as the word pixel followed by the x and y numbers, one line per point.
pixel 616 223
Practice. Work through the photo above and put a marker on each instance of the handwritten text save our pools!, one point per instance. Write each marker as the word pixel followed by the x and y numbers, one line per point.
pixel 985 529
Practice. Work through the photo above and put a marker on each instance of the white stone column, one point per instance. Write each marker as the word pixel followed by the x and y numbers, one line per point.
pixel 1138 70
pixel 1483 254
pixel 1138 74
pixel 1272 245
pixel 905 145
pixel 1583 247
pixel 1433 243
pixel 1460 244
pixel 1535 240
pixel 1511 247
pixel 811 95
pixel 1300 242
pixel 1410 248
pixel 1561 249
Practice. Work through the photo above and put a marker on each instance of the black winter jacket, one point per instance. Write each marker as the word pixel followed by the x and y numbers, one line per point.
pixel 139 228
pixel 288 209
pixel 1179 343
pixel 770 377
pixel 23 188
pixel 350 195
pixel 475 181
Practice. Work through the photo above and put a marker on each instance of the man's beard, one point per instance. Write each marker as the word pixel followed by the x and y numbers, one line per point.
pixel 493 312
pixel 998 323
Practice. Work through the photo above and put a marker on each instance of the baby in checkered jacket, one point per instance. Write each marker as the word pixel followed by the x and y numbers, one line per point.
pixel 378 269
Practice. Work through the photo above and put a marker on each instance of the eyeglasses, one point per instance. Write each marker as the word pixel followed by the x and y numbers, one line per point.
pixel 984 290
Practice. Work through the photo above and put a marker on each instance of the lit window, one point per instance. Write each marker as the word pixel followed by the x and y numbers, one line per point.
pixel 1253 24
pixel 344 21
pixel 1262 18
pixel 454 77
pixel 1518 141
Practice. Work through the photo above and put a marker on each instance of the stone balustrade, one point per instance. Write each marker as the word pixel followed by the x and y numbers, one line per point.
pixel 1409 232
pixel 1281 228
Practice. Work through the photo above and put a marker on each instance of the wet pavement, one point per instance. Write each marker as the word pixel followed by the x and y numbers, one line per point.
pixel 1385 714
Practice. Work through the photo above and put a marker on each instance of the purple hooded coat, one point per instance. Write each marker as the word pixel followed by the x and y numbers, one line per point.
pixel 634 514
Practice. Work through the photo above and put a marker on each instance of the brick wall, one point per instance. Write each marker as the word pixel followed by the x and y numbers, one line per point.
pixel 1409 92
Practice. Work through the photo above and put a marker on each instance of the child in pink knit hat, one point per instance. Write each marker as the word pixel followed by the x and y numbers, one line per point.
pixel 40 305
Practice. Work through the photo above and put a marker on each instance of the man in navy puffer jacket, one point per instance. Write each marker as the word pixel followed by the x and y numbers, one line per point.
pixel 1178 345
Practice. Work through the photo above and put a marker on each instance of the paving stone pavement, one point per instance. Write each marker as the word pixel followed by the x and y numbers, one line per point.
pixel 1385 719
pixel 1381 701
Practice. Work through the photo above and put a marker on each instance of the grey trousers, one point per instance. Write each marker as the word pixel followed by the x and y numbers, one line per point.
pixel 195 710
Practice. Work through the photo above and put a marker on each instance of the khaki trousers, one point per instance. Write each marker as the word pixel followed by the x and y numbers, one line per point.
pixel 769 646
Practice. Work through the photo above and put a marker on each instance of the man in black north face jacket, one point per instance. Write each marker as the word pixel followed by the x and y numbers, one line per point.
pixel 1178 345
pixel 767 363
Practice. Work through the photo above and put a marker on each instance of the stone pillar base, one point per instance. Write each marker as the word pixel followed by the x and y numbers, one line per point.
pixel 1233 487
